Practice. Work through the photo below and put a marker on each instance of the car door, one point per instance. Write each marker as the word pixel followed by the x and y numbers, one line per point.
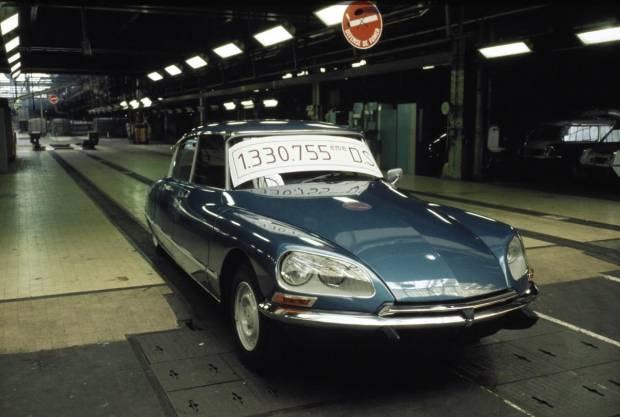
pixel 172 189
pixel 201 207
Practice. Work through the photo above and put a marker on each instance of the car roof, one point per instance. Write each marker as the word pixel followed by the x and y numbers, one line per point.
pixel 262 127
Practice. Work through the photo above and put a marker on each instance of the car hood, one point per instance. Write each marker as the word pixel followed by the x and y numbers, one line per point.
pixel 419 252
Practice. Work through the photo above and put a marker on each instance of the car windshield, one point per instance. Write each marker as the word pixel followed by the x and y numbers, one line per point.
pixel 259 162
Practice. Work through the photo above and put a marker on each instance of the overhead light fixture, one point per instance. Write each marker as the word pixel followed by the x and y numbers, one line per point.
pixel 359 63
pixel 302 73
pixel 134 104
pixel 14 57
pixel 155 76
pixel 173 70
pixel 287 75
pixel 331 15
pixel 322 69
pixel 274 35
pixel 428 67
pixel 228 50
pixel 16 66
pixel 12 44
pixel 497 51
pixel 9 24
pixel 247 104
pixel 196 62
pixel 146 102
pixel 270 102
pixel 600 36
pixel 160 98
pixel 230 105
pixel 124 104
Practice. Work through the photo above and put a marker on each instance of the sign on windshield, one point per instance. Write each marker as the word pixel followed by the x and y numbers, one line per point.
pixel 266 156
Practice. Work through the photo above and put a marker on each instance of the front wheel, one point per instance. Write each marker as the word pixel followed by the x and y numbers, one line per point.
pixel 253 332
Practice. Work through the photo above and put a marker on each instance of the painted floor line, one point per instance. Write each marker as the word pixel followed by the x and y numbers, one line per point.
pixel 611 278
pixel 579 329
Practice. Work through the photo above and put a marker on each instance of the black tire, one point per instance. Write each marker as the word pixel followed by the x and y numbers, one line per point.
pixel 259 356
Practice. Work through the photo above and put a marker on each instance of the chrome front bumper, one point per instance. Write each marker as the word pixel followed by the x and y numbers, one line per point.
pixel 401 317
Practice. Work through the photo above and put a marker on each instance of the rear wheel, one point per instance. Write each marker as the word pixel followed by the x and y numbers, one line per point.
pixel 253 332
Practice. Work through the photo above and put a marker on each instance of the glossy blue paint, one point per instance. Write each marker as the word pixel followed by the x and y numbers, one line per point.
pixel 418 252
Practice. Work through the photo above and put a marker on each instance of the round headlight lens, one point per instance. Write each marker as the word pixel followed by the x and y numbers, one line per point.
pixel 296 270
pixel 515 256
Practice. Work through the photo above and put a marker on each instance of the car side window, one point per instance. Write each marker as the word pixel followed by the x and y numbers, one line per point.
pixel 210 162
pixel 183 163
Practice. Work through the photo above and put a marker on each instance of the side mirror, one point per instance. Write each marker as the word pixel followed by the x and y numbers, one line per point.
pixel 393 175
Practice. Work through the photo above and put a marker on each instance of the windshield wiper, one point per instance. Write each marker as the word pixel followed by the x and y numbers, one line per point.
pixel 333 175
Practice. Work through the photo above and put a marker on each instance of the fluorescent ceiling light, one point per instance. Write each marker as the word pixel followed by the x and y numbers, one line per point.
pixel 229 105
pixel 146 102
pixel 331 15
pixel 270 102
pixel 9 24
pixel 134 104
pixel 12 44
pixel 274 35
pixel 247 104
pixel 359 63
pixel 505 50
pixel 287 75
pixel 173 70
pixel 428 67
pixel 124 104
pixel 14 57
pixel 196 62
pixel 302 73
pixel 228 50
pixel 322 69
pixel 155 76
pixel 16 66
pixel 160 98
pixel 600 36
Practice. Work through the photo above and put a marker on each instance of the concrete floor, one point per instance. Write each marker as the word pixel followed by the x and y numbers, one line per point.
pixel 77 281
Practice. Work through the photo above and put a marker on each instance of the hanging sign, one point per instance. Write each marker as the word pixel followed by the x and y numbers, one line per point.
pixel 53 99
pixel 362 24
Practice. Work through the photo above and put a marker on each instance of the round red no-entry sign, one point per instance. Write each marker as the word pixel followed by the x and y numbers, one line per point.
pixel 53 99
pixel 362 24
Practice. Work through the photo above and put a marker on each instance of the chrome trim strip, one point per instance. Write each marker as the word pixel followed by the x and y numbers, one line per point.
pixel 183 252
pixel 390 309
pixel 335 319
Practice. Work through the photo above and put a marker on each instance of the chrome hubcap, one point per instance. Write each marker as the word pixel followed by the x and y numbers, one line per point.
pixel 246 316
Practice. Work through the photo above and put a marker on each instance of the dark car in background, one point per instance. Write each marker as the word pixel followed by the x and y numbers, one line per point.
pixel 556 147
pixel 603 158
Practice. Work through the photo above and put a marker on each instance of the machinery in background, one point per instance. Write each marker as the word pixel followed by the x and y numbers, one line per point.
pixel 7 137
pixel 391 132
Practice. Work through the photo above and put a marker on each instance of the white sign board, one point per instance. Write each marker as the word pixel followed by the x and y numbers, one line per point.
pixel 266 156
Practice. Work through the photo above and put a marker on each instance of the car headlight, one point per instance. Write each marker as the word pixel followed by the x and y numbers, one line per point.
pixel 324 275
pixel 515 257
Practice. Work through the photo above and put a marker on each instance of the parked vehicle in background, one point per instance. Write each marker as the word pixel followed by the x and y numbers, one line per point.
pixel 557 147
pixel 603 158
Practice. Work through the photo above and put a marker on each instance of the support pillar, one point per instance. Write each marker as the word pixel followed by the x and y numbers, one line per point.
pixel 201 110
pixel 456 131
pixel 479 133
pixel 316 100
